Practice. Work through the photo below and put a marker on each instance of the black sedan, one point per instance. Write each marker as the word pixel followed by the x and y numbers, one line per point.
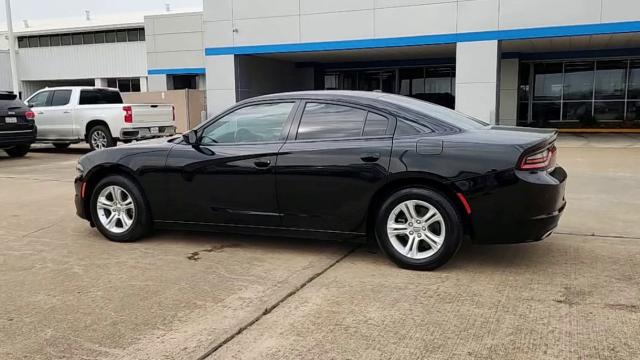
pixel 17 126
pixel 416 177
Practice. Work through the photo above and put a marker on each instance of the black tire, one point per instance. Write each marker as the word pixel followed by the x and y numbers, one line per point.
pixel 62 146
pixel 103 133
pixel 141 223
pixel 453 236
pixel 18 151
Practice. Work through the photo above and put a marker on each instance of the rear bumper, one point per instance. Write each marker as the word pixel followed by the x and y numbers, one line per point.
pixel 518 206
pixel 140 133
pixel 17 137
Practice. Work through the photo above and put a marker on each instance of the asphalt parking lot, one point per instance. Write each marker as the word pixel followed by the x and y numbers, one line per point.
pixel 66 292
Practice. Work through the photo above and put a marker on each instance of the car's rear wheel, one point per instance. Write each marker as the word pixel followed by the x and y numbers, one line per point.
pixel 18 151
pixel 419 229
pixel 118 209
pixel 100 138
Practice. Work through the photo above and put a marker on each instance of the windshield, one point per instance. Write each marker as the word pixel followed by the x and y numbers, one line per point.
pixel 442 113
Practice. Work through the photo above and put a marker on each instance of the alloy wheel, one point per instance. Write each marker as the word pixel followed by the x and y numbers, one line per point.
pixel 116 209
pixel 99 140
pixel 416 229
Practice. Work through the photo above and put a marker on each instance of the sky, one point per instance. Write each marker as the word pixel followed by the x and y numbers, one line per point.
pixel 48 9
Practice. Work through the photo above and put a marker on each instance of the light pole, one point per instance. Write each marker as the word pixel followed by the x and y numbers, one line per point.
pixel 12 50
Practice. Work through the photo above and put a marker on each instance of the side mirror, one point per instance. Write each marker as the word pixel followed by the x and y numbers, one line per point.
pixel 190 137
pixel 30 105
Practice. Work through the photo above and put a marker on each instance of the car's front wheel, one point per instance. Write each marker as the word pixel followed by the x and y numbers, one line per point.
pixel 419 229
pixel 18 151
pixel 118 209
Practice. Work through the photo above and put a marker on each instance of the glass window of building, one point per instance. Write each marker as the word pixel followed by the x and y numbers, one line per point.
pixel 55 40
pixel 121 36
pixel 34 41
pixel 132 35
pixel 23 42
pixel 87 38
pixel 110 36
pixel 44 41
pixel 65 39
pixel 99 38
pixel 76 39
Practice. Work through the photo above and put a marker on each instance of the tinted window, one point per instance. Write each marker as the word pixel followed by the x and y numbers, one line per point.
pixel 39 99
pixel 328 121
pixel 87 38
pixel 60 97
pixel 121 36
pixel 55 40
pixel 65 39
pixel 254 123
pixel 110 37
pixel 23 42
pixel 99 37
pixel 141 36
pixel 408 128
pixel 96 97
pixel 33 41
pixel 441 113
pixel 45 41
pixel 76 39
pixel 375 125
pixel 132 35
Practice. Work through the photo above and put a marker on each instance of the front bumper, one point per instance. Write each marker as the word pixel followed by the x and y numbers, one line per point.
pixel 517 206
pixel 141 133
pixel 81 211
pixel 17 137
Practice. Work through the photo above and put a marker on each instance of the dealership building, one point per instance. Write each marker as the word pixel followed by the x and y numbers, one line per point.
pixel 571 64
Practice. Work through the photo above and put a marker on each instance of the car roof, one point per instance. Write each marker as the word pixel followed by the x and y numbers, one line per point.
pixel 76 87
pixel 326 94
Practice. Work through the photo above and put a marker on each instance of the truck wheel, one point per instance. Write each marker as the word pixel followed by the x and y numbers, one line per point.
pixel 100 138
pixel 61 146
pixel 18 151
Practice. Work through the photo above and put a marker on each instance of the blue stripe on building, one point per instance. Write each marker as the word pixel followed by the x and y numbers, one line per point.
pixel 513 34
pixel 178 71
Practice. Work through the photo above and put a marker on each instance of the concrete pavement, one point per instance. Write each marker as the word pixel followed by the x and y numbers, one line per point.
pixel 69 293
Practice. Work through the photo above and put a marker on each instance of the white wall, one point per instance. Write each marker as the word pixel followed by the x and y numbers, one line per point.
pixel 174 40
pixel 83 61
pixel 509 92
pixel 477 71
pixel 5 72
pixel 252 22
pixel 291 21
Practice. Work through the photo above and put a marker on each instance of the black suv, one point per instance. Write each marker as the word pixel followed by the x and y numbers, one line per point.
pixel 17 126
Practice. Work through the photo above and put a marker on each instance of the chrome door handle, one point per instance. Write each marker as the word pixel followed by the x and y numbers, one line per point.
pixel 370 157
pixel 66 112
pixel 40 112
pixel 263 164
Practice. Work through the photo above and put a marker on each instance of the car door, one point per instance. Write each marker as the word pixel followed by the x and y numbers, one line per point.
pixel 336 156
pixel 229 178
pixel 54 117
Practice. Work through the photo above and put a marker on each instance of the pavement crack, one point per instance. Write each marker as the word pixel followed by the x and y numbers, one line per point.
pixel 598 235
pixel 272 307
pixel 195 256
pixel 38 230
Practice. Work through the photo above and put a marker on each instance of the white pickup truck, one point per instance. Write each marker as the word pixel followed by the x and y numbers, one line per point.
pixel 66 115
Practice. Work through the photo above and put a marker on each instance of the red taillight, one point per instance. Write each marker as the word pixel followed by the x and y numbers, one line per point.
pixel 173 108
pixel 30 115
pixel 539 160
pixel 128 114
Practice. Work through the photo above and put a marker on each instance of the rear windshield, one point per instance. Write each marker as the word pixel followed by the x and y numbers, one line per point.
pixel 442 113
pixel 99 96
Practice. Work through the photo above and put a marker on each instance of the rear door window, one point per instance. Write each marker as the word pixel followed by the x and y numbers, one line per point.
pixel 61 97
pixel 376 125
pixel 330 121
pixel 99 97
